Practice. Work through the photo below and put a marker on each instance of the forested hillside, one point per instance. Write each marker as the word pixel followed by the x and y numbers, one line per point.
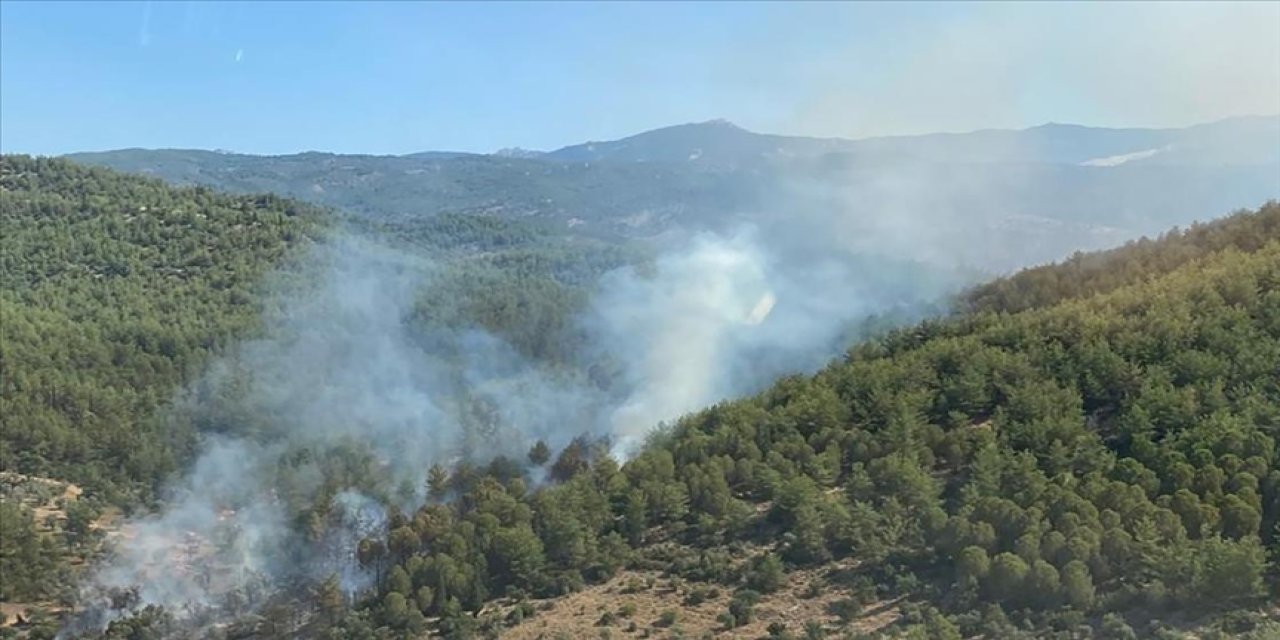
pixel 1089 273
pixel 115 289
pixel 585 198
pixel 117 293
pixel 1085 449
pixel 1047 473
pixel 995 200
pixel 1101 465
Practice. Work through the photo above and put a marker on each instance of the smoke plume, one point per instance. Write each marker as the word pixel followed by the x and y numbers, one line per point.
pixel 344 402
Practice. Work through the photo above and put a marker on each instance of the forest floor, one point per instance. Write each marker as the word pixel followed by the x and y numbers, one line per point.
pixel 582 614
pixel 47 498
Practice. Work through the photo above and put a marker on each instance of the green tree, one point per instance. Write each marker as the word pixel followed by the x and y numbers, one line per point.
pixel 972 565
pixel 437 482
pixel 329 599
pixel 1077 585
pixel 767 575
pixel 539 454
pixel 1008 577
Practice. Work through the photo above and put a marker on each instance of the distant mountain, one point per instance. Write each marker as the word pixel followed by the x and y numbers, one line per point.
pixel 993 199
pixel 517 152
pixel 1251 140
pixel 717 142
pixel 609 199
pixel 1006 471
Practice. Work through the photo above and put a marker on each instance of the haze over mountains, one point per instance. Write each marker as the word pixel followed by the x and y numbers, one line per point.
pixel 465 309
pixel 639 321
pixel 1043 191
pixel 340 451
pixel 719 142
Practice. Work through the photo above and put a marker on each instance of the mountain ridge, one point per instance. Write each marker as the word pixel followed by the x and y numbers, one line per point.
pixel 1271 120
pixel 1046 190
pixel 1005 473
pixel 1104 141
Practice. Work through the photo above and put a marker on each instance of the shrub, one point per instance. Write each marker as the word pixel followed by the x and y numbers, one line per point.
pixel 846 609
pixel 1115 628
pixel 667 618
pixel 767 574
pixel 698 596
pixel 742 606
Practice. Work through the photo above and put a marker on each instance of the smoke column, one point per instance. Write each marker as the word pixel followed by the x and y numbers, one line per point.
pixel 342 366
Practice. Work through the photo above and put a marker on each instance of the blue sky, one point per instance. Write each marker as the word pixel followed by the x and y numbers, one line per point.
pixel 400 77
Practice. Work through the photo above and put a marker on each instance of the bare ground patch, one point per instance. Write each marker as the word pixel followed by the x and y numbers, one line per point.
pixel 579 615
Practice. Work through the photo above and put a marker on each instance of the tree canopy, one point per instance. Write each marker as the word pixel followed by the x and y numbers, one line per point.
pixel 1078 446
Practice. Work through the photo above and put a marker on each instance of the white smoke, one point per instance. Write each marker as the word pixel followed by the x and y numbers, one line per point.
pixel 360 517
pixel 673 328
pixel 724 315
pixel 343 365
pixel 219 534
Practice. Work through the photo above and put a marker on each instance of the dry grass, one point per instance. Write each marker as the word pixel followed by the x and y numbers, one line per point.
pixel 10 612
pixel 47 498
pixel 577 615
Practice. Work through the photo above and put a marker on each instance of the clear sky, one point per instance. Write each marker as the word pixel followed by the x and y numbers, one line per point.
pixel 400 77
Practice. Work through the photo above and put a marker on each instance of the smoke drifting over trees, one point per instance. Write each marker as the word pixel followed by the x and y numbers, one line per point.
pixel 348 398
pixel 379 381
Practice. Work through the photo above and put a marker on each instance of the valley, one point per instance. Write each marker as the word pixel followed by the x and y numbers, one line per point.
pixel 406 427
pixel 639 321
pixel 987 201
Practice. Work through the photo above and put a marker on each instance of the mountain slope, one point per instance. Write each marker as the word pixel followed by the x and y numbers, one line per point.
pixel 715 144
pixel 1034 194
pixel 1109 454
pixel 119 294
pixel 718 143
pixel 1103 460
pixel 604 199
pixel 114 288
pixel 1087 274
pixel 1091 441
